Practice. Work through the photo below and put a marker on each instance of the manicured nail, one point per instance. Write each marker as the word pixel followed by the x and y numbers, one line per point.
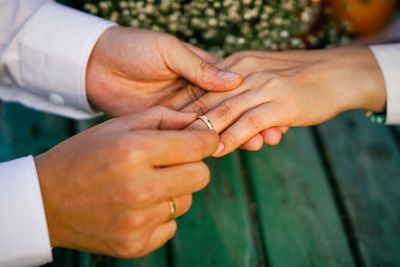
pixel 227 75
pixel 219 150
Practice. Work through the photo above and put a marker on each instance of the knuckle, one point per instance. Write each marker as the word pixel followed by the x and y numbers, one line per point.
pixel 127 223
pixel 135 156
pixel 224 112
pixel 200 107
pixel 194 92
pixel 164 38
pixel 204 65
pixel 246 62
pixel 127 249
pixel 141 195
pixel 229 139
pixel 256 77
pixel 277 81
pixel 129 149
pixel 135 221
pixel 253 120
pixel 241 55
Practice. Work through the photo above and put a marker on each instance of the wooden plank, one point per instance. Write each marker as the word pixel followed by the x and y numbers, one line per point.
pixel 217 230
pixel 299 221
pixel 157 258
pixel 365 164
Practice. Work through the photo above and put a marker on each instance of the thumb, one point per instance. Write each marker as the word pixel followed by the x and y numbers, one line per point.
pixel 192 67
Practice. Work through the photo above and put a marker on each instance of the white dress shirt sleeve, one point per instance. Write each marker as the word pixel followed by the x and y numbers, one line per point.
pixel 388 57
pixel 24 238
pixel 44 51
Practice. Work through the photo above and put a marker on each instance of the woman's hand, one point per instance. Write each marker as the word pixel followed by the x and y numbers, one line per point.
pixel 289 89
pixel 106 190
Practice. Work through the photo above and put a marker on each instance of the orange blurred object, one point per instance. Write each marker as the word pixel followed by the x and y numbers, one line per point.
pixel 366 16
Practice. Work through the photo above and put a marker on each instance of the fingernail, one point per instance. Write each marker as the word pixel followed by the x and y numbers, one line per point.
pixel 227 75
pixel 219 150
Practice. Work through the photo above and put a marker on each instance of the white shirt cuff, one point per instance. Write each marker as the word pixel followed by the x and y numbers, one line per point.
pixel 388 57
pixel 24 238
pixel 55 50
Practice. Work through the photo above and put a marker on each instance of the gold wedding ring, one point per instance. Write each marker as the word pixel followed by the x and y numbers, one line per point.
pixel 206 121
pixel 172 210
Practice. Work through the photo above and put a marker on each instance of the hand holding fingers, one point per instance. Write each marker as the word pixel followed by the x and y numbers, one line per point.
pixel 113 170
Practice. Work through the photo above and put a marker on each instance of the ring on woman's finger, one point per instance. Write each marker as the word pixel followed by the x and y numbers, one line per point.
pixel 172 209
pixel 206 121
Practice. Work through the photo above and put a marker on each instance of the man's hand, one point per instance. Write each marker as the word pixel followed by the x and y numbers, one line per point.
pixel 132 69
pixel 105 190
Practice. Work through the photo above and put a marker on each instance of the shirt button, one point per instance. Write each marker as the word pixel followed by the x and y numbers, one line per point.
pixel 56 99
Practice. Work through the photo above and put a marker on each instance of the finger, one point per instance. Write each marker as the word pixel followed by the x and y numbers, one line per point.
pixel 197 70
pixel 182 206
pixel 183 97
pixel 159 213
pixel 176 147
pixel 203 54
pixel 229 111
pixel 168 182
pixel 209 100
pixel 182 179
pixel 252 122
pixel 272 136
pixel 284 130
pixel 273 60
pixel 254 144
pixel 155 118
pixel 159 237
pixel 165 183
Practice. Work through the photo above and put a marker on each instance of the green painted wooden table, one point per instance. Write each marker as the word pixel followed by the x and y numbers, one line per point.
pixel 326 196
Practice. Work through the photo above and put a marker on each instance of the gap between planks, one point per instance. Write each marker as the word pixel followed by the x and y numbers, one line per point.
pixel 338 197
pixel 256 230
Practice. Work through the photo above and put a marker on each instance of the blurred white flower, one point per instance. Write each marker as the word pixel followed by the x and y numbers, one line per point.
pixel 227 26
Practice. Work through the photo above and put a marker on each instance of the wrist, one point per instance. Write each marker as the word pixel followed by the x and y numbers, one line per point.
pixel 362 80
pixel 43 169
